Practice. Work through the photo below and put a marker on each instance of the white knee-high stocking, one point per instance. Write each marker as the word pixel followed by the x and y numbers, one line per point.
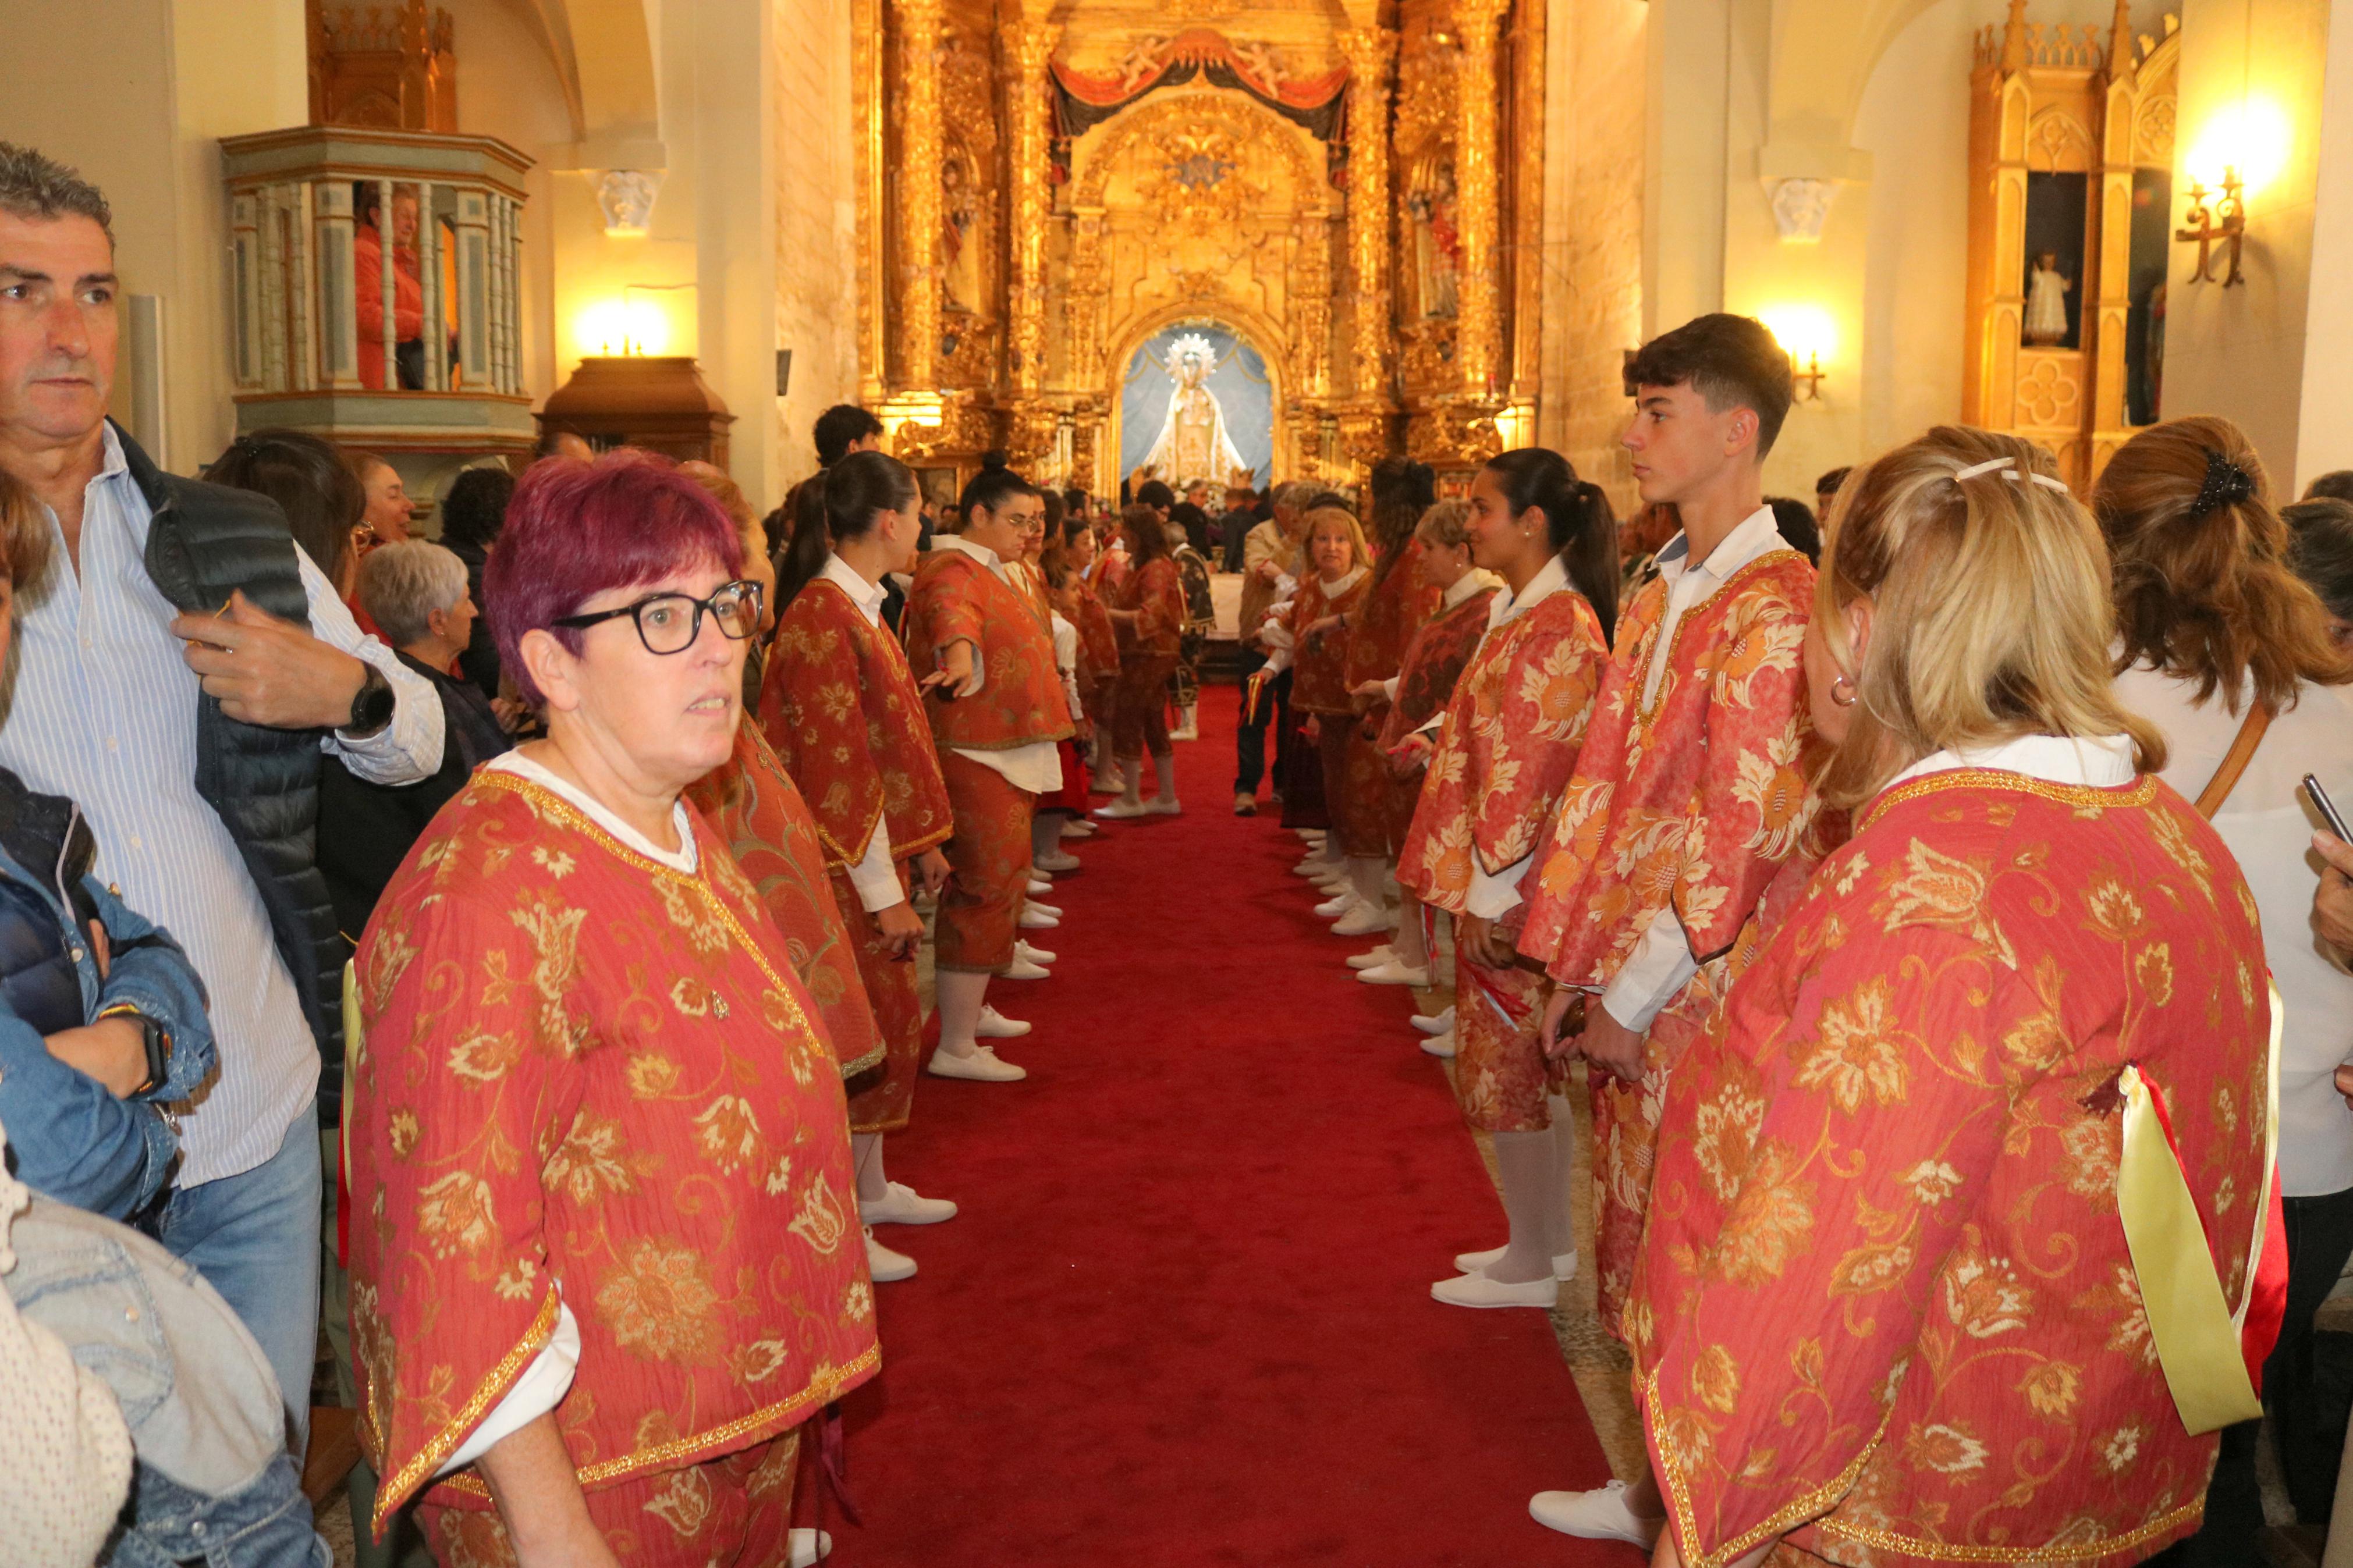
pixel 1534 1201
pixel 962 995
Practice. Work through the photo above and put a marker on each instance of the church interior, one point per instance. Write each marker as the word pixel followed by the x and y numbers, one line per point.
pixel 1226 246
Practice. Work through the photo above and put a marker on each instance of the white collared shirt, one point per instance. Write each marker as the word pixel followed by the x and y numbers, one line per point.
pixel 866 596
pixel 874 874
pixel 2104 762
pixel 1661 963
pixel 682 858
pixel 1037 766
pixel 1496 893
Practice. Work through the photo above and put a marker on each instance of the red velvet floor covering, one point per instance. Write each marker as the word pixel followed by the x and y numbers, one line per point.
pixel 1184 1316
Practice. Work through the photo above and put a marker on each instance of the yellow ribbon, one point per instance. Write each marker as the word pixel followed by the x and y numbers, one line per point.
pixel 354 1054
pixel 2190 1317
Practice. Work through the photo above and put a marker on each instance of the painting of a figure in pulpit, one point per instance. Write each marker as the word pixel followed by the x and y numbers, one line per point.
pixel 960 238
pixel 1437 243
pixel 1197 405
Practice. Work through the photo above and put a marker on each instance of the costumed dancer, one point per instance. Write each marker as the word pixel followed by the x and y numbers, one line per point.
pixel 1148 606
pixel 1505 751
pixel 1098 664
pixel 1417 699
pixel 1398 600
pixel 577 1013
pixel 1689 794
pixel 996 721
pixel 1310 639
pixel 1965 1213
pixel 1065 600
pixel 844 713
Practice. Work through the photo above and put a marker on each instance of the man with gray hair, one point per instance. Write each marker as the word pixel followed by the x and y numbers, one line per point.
pixel 1270 562
pixel 180 672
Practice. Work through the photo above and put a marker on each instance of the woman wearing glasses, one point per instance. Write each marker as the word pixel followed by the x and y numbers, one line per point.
pixel 608 1260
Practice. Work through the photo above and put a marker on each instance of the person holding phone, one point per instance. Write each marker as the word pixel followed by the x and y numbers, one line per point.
pixel 2228 653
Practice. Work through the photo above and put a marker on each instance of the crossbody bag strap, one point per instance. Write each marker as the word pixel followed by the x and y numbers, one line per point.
pixel 2235 761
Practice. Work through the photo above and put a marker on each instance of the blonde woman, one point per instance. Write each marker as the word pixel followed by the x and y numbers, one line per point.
pixel 1884 1303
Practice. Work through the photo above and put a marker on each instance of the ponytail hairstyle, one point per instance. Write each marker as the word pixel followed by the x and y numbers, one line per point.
pixel 1400 492
pixel 841 503
pixel 806 545
pixel 1578 523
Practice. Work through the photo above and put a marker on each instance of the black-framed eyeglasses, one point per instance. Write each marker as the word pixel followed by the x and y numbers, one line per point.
pixel 669 623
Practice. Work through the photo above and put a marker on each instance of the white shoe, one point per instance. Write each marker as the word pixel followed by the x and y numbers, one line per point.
pixel 887 1267
pixel 1335 906
pixel 1189 732
pixel 1023 969
pixel 903 1204
pixel 1436 1022
pixel 1478 1290
pixel 1057 860
pixel 1078 828
pixel 1039 884
pixel 1440 1045
pixel 1035 919
pixel 810 1547
pixel 1312 835
pixel 1022 950
pixel 1364 920
pixel 1382 954
pixel 1315 866
pixel 1120 808
pixel 1395 972
pixel 996 1026
pixel 1563 1266
pixel 1168 805
pixel 981 1066
pixel 1043 908
pixel 1598 1515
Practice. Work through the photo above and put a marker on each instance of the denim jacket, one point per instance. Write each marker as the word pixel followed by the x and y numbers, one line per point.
pixel 74 1141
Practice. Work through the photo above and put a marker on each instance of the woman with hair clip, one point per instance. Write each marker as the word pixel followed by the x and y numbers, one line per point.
pixel 1956 1196
pixel 2227 652
pixel 1149 602
pixel 1505 753
pixel 845 714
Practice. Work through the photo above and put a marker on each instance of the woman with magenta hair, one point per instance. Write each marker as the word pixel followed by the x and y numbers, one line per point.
pixel 612 1263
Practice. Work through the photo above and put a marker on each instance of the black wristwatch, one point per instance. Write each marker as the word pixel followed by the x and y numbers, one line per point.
pixel 372 706
pixel 159 1044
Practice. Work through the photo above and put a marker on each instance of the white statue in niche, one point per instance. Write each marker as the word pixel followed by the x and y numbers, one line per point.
pixel 626 199
pixel 2046 301
pixel 959 241
pixel 1193 438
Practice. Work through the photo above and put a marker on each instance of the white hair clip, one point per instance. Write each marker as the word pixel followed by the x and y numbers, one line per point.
pixel 2007 468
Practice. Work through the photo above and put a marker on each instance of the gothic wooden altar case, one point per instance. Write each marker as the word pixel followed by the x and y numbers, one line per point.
pixel 2070 150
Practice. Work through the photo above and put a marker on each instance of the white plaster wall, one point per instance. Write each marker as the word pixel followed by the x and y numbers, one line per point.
pixel 816 225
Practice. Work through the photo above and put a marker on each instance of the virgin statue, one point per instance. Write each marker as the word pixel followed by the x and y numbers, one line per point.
pixel 2046 301
pixel 1193 442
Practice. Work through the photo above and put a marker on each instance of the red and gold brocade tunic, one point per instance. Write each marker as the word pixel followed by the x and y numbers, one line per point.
pixel 1692 800
pixel 1393 610
pixel 1156 592
pixel 1320 668
pixel 589 1074
pixel 842 710
pixel 1098 641
pixel 1020 701
pixel 1885 1305
pixel 752 804
pixel 1513 733
pixel 1434 665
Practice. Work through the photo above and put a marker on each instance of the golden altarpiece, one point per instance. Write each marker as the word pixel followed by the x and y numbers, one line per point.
pixel 1346 192
pixel 2071 153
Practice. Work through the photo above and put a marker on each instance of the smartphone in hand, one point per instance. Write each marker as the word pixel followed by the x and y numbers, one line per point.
pixel 2326 808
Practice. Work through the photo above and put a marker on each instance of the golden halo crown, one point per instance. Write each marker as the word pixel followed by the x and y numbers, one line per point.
pixel 1191 344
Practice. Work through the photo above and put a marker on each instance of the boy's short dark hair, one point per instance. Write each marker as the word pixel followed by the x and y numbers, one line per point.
pixel 1152 492
pixel 838 427
pixel 1830 483
pixel 1731 362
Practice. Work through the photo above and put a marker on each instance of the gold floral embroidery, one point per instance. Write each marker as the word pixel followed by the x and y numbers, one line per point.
pixel 454 1213
pixel 820 1222
pixel 1858 1048
pixel 684 1502
pixel 659 1305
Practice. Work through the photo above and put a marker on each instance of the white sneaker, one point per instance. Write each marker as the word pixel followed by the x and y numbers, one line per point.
pixel 1312 835
pixel 1043 908
pixel 1395 972
pixel 1057 860
pixel 996 1026
pixel 1598 1515
pixel 1035 919
pixel 1023 969
pixel 1382 954
pixel 810 1547
pixel 1167 805
pixel 903 1204
pixel 1563 1266
pixel 1315 866
pixel 1364 920
pixel 1338 904
pixel 1478 1290
pixel 887 1267
pixel 1435 1023
pixel 1034 954
pixel 1078 828
pixel 981 1066
pixel 1039 884
pixel 1120 808
pixel 1440 1045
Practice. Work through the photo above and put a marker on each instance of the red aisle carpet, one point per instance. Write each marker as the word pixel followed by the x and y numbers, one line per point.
pixel 1184 1316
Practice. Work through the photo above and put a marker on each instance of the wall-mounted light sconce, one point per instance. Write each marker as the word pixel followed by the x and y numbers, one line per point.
pixel 1808 336
pixel 2221 226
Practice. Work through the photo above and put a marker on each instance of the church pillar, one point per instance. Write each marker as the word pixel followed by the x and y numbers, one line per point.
pixel 1478 172
pixel 919 194
pixel 1032 424
pixel 1369 52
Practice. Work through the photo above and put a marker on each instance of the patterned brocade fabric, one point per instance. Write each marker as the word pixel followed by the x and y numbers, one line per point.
pixel 1021 702
pixel 1512 735
pixel 1691 801
pixel 1884 1305
pixel 1156 592
pixel 589 1075
pixel 752 804
pixel 1097 642
pixel 1393 608
pixel 1319 669
pixel 1433 664
pixel 842 710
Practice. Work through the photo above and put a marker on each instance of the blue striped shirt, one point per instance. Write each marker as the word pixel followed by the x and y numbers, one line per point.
pixel 103 709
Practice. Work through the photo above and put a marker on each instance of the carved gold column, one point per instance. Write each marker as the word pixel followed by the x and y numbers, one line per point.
pixel 1478 173
pixel 1033 43
pixel 919 193
pixel 1369 52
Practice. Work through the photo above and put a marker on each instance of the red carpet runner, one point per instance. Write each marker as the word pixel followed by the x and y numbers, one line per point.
pixel 1184 1316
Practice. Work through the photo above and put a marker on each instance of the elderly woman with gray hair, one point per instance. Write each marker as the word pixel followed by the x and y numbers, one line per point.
pixel 418 594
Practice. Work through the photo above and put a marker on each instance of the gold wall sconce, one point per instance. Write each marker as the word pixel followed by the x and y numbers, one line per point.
pixel 2218 230
pixel 1807 333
